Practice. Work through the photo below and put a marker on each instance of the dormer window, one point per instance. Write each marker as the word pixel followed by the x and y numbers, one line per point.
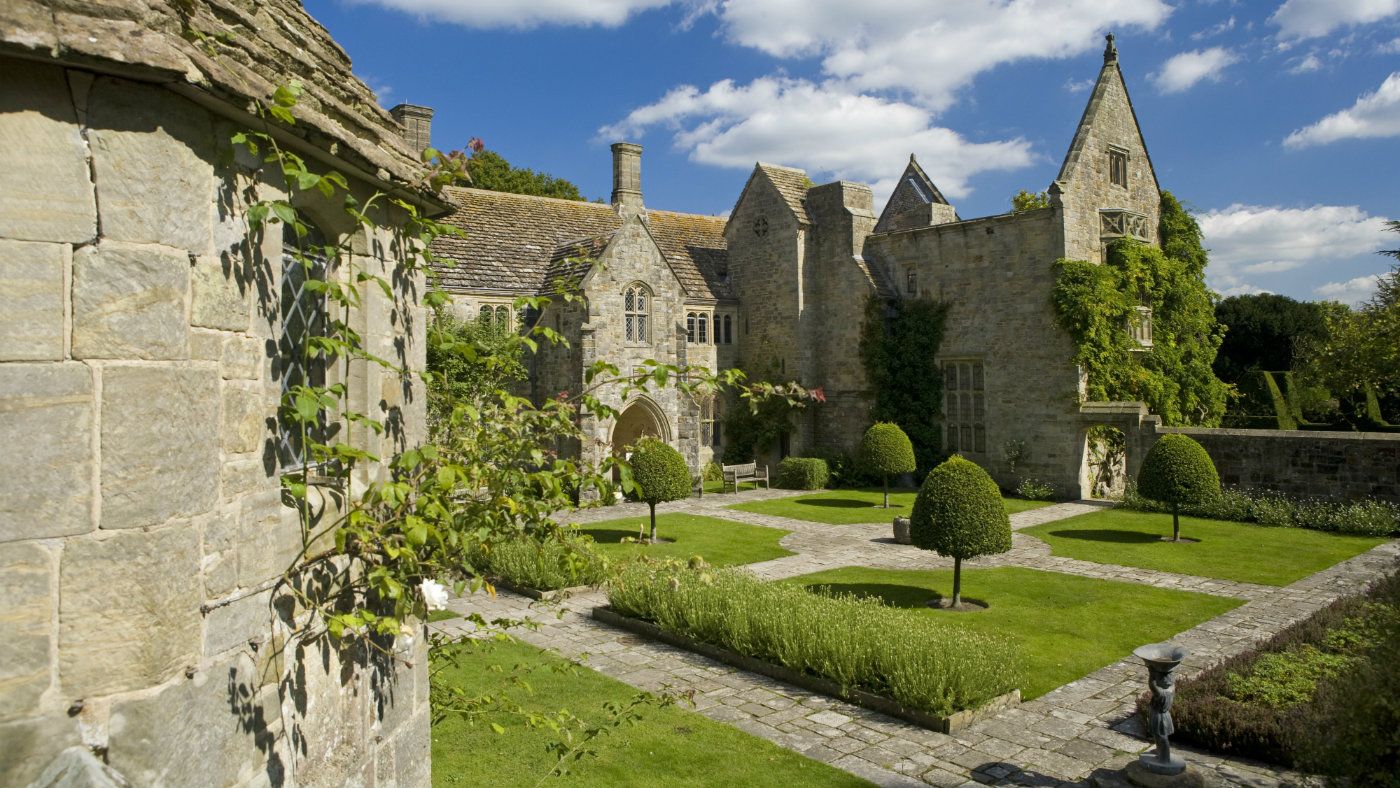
pixel 1118 167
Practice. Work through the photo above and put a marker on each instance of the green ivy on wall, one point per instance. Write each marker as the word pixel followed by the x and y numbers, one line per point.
pixel 1098 305
pixel 899 343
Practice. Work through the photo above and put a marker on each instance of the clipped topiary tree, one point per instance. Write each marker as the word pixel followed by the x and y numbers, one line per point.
pixel 959 513
pixel 886 450
pixel 1177 471
pixel 660 474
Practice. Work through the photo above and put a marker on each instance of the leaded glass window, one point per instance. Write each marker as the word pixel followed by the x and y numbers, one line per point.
pixel 303 315
pixel 634 311
pixel 964 407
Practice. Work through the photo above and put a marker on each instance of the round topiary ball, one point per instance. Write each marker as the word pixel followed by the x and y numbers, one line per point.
pixel 1179 472
pixel 959 513
pixel 660 474
pixel 886 450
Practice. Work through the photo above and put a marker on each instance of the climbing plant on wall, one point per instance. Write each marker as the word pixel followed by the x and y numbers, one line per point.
pixel 1099 306
pixel 899 343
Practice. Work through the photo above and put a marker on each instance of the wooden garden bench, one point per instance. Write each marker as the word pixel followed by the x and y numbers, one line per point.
pixel 747 472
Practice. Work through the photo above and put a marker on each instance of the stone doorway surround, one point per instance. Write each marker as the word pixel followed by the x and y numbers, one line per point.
pixel 642 417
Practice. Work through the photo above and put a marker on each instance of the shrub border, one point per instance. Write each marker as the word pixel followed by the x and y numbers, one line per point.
pixel 949 724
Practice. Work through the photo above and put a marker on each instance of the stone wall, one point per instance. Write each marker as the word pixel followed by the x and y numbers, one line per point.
pixel 996 275
pixel 142 523
pixel 1305 464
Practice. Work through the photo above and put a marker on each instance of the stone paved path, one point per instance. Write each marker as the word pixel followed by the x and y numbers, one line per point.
pixel 1058 739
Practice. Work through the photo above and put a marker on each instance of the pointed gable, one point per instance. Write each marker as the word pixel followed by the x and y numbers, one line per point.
pixel 790 183
pixel 1108 120
pixel 908 205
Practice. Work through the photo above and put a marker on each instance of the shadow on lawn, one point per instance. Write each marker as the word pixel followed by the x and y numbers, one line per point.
pixel 1109 535
pixel 911 597
pixel 838 503
pixel 610 535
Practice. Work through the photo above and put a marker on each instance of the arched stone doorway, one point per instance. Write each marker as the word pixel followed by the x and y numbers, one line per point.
pixel 642 418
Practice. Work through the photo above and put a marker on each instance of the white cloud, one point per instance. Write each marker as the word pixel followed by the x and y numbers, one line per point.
pixel 930 48
pixel 824 128
pixel 1391 47
pixel 1352 291
pixel 1257 239
pixel 1314 18
pixel 1373 115
pixel 1214 30
pixel 1185 69
pixel 1078 85
pixel 1306 65
pixel 523 14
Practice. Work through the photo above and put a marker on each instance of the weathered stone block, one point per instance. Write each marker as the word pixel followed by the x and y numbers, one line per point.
pixel 77 767
pixel 158 457
pixel 219 563
pixel 242 358
pixel 26 605
pixel 266 544
pixel 219 293
pixel 31 325
pixel 129 302
pixel 245 420
pixel 43 159
pixel 46 418
pixel 240 477
pixel 32 744
pixel 152 153
pixel 215 724
pixel 235 624
pixel 128 610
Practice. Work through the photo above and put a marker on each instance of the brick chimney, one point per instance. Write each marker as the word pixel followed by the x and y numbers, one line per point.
pixel 417 125
pixel 627 177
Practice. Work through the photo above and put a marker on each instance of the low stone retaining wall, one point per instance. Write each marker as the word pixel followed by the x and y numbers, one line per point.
pixel 1305 464
pixel 536 594
pixel 950 724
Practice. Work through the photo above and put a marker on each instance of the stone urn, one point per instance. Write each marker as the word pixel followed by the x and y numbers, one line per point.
pixel 901 530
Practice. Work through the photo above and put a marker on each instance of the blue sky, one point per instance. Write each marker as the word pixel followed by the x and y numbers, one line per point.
pixel 1277 122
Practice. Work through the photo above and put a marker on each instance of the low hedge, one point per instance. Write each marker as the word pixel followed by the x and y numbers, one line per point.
pixel 856 642
pixel 1284 700
pixel 802 473
pixel 555 561
pixel 1363 518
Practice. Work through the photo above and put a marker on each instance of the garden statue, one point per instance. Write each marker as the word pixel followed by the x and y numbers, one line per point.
pixel 1162 661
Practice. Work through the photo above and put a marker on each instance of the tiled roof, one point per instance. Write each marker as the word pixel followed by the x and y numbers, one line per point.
pixel 884 288
pixel 520 244
pixel 572 260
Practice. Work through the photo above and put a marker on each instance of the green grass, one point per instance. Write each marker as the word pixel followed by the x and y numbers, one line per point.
pixel 848 507
pixel 669 746
pixel 1067 626
pixel 443 615
pixel 1228 551
pixel 718 486
pixel 720 542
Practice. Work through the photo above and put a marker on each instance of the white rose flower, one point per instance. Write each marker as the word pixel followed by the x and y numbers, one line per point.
pixel 434 594
pixel 404 642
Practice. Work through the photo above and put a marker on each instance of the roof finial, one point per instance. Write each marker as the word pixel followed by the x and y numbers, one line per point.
pixel 1110 52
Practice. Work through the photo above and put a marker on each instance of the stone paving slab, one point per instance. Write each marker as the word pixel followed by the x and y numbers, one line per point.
pixel 1058 739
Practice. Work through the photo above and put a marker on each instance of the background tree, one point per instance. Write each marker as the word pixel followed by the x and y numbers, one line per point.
pixel 490 170
pixel 886 450
pixel 467 360
pixel 1263 331
pixel 1029 201
pixel 1178 471
pixel 660 474
pixel 958 512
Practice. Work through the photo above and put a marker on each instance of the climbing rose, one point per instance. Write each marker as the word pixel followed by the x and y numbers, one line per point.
pixel 434 594
pixel 475 144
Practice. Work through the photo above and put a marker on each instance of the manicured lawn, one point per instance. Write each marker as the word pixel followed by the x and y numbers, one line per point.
pixel 1068 626
pixel 715 487
pixel 669 746
pixel 846 507
pixel 1228 551
pixel 720 542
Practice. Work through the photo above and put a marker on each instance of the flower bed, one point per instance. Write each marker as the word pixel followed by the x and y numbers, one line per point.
pixel 1363 518
pixel 530 565
pixel 855 644
pixel 1320 695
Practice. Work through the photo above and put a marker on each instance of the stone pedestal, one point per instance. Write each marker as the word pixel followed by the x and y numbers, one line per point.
pixel 901 530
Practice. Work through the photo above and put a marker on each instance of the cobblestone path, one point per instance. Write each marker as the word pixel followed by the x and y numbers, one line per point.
pixel 1058 739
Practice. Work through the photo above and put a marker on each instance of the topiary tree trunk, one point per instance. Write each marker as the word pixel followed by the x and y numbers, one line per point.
pixel 886 480
pixel 653 522
pixel 1176 522
pixel 957 582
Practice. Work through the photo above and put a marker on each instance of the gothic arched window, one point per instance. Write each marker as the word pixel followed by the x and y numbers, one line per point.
pixel 702 323
pixel 634 311
pixel 728 331
pixel 690 327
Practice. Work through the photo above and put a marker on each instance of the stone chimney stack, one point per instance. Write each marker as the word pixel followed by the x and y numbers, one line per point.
pixel 627 177
pixel 417 125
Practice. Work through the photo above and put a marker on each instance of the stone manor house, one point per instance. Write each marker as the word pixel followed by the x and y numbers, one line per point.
pixel 779 289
